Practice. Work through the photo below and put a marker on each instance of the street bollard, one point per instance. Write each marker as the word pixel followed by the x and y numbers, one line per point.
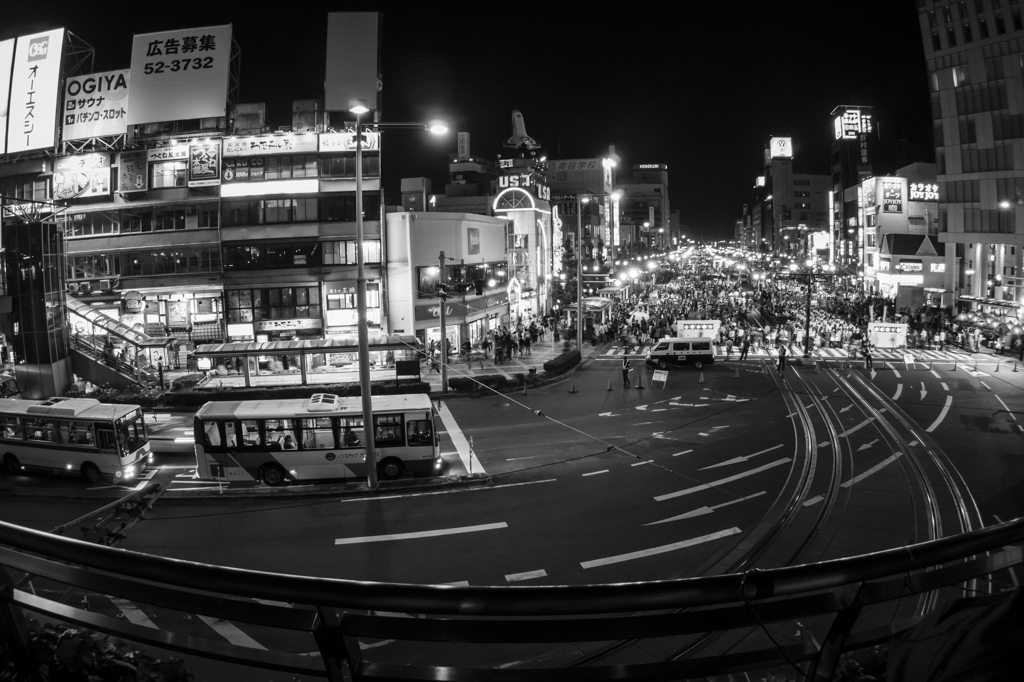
pixel 573 388
pixel 736 374
pixel 700 380
pixel 609 385
pixel 817 367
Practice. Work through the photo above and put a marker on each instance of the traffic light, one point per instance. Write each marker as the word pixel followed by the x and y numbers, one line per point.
pixel 479 284
pixel 442 291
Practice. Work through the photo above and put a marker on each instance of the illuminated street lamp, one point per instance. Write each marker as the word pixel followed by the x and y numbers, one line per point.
pixel 359 107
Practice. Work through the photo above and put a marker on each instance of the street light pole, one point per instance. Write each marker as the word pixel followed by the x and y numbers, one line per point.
pixel 579 273
pixel 362 331
pixel 442 290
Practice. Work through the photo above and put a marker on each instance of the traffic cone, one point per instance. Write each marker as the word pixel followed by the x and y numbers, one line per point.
pixel 1014 365
pixel 609 385
pixel 700 380
pixel 573 388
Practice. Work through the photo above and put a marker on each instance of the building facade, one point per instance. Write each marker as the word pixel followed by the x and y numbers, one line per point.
pixel 974 51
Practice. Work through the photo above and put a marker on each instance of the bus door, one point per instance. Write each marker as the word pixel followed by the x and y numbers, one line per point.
pixel 320 456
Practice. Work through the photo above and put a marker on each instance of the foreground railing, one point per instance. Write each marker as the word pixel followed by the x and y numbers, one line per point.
pixel 336 612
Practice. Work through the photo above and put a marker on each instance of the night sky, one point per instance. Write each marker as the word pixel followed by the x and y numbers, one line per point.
pixel 701 91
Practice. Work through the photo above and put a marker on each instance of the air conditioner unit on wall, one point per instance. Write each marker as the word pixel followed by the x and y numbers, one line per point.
pixel 72 287
pixel 85 287
pixel 105 284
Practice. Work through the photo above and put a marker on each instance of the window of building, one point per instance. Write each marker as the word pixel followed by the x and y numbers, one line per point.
pixel 168 174
pixel 1015 15
pixel 965 29
pixel 208 216
pixel 982 27
pixel 979 6
pixel 345 166
pixel 947 14
pixel 182 260
pixel 1000 24
pixel 282 303
pixel 95 223
pixel 269 211
pixel 296 166
pixel 344 252
pixel 960 74
pixel 968 132
pixel 92 266
pixel 27 190
pixel 343 207
pixel 461 278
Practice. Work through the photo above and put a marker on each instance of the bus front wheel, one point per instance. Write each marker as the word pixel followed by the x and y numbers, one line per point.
pixel 698 364
pixel 272 475
pixel 11 464
pixel 91 472
pixel 390 469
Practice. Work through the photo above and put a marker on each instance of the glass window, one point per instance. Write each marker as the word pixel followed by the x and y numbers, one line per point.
pixel 80 433
pixel 251 433
pixel 352 432
pixel 10 428
pixel 40 430
pixel 680 346
pixel 131 435
pixel 420 432
pixel 281 434
pixel 388 430
pixel 702 345
pixel 211 435
pixel 318 434
pixel 168 174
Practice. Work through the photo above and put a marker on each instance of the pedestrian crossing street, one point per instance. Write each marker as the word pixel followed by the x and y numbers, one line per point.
pixel 925 355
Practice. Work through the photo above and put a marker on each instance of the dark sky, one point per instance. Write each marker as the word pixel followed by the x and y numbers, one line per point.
pixel 700 90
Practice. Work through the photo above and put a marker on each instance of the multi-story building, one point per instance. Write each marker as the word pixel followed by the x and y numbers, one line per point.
pixel 974 52
pixel 646 209
pixel 852 150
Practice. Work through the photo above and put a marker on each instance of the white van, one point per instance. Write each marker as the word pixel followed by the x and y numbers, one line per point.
pixel 696 350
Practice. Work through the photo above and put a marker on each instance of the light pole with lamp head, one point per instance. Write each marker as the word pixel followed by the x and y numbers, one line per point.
pixel 359 107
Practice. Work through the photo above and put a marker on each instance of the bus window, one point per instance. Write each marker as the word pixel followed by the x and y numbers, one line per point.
pixel 317 434
pixel 352 432
pixel 211 434
pixel 281 434
pixel 105 439
pixel 80 433
pixel 39 429
pixel 251 433
pixel 10 428
pixel 388 430
pixel 420 432
pixel 229 432
pixel 132 433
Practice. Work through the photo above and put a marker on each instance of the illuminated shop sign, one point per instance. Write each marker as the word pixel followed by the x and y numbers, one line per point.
pixel 87 175
pixel 35 87
pixel 271 144
pixel 204 164
pixel 852 123
pixel 781 147
pixel 346 142
pixel 923 192
pixel 909 266
pixel 541 191
pixel 96 105
pixel 892 197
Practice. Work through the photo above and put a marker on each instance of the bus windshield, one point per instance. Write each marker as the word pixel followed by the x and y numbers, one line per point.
pixel 131 434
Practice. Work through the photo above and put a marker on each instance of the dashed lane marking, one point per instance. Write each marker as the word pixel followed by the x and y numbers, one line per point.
pixel 737 460
pixel 660 550
pixel 942 414
pixel 528 575
pixel 595 473
pixel 706 510
pixel 133 613
pixel 721 481
pixel 466 454
pixel 858 427
pixel 684 452
pixel 420 534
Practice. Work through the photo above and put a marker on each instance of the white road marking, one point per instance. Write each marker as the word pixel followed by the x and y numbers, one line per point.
pixel 442 492
pixel 706 486
pixel 942 415
pixel 684 452
pixel 647 461
pixel 894 370
pixel 980 382
pixel 936 374
pixel 466 454
pixel 595 473
pixel 660 409
pixel 737 460
pixel 899 389
pixel 706 510
pixel 1007 408
pixel 420 534
pixel 133 613
pixel 458 583
pixel 528 575
pixel 855 479
pixel 703 434
pixel 850 430
pixel 867 445
pixel 660 550
pixel 230 632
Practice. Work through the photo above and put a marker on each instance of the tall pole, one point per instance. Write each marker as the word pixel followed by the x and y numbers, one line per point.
pixel 361 329
pixel 579 274
pixel 444 325
pixel 807 319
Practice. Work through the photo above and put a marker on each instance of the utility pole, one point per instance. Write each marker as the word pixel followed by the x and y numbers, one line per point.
pixel 442 292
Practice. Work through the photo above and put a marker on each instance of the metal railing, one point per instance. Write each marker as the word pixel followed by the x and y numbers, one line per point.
pixel 334 613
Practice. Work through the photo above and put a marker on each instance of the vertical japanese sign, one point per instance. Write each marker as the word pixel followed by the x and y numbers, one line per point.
pixel 35 85
pixel 132 172
pixel 6 63
pixel 96 105
pixel 892 195
pixel 180 74
pixel 558 250
pixel 204 164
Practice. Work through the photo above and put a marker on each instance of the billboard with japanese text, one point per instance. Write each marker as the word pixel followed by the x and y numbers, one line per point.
pixel 96 105
pixel 179 75
pixel 133 171
pixel 35 86
pixel 204 164
pixel 84 175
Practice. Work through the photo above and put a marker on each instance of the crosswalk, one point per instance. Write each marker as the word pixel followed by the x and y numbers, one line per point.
pixel 925 355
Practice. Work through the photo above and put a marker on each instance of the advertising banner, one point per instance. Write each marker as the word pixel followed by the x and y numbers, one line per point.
pixel 781 147
pixel 346 142
pixel 132 172
pixel 178 152
pixel 352 70
pixel 6 64
pixel 688 329
pixel 271 144
pixel 204 164
pixel 87 175
pixel 887 334
pixel 35 85
pixel 892 196
pixel 96 105
pixel 249 169
pixel 180 74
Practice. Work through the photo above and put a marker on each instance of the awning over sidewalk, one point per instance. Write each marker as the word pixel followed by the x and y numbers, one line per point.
pixel 347 343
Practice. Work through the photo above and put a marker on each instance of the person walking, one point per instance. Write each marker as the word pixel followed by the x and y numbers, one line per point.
pixel 625 372
pixel 782 359
pixel 867 355
pixel 745 348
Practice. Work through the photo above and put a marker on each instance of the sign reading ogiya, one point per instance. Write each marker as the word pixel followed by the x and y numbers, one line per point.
pixel 179 75
pixel 96 105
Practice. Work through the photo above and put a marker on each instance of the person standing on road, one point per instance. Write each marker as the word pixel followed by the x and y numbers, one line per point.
pixel 867 354
pixel 745 348
pixel 625 372
pixel 782 359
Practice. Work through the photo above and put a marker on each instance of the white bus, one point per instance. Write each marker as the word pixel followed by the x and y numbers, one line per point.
pixel 279 440
pixel 79 436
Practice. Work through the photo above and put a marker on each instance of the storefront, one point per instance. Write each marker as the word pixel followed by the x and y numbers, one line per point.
pixel 284 313
pixel 194 315
pixel 466 321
